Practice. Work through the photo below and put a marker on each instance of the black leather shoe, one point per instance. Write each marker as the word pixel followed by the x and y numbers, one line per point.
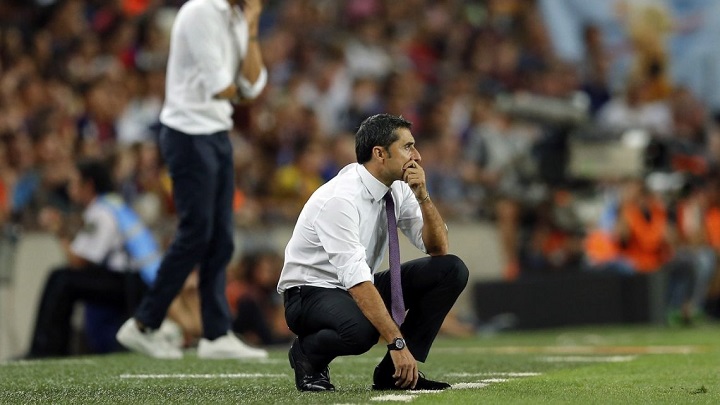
pixel 306 378
pixel 385 381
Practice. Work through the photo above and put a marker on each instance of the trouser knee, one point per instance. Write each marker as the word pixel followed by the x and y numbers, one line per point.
pixel 57 279
pixel 360 338
pixel 456 270
pixel 224 249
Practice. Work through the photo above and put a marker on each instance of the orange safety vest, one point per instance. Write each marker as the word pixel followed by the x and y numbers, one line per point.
pixel 646 248
pixel 600 247
pixel 712 227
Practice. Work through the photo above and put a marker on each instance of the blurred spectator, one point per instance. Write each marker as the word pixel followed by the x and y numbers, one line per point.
pixel 257 310
pixel 104 99
pixel 711 292
pixel 6 178
pixel 688 148
pixel 144 182
pixel 365 101
pixel 594 72
pixel 694 213
pixel 642 241
pixel 366 54
pixel 648 25
pixel 138 121
pixel 444 180
pixel 294 183
pixel 326 90
pixel 340 154
pixel 553 243
pixel 634 109
pixel 498 156
pixel 108 268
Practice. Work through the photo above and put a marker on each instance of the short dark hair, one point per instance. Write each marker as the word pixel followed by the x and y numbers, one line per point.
pixel 377 130
pixel 97 172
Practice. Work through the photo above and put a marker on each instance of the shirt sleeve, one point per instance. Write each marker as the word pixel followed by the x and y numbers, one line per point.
pixel 201 33
pixel 95 240
pixel 252 90
pixel 338 228
pixel 410 221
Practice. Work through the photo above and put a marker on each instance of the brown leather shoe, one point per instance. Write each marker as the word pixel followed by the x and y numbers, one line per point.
pixel 306 378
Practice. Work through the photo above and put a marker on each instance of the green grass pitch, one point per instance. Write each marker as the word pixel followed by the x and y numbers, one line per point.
pixel 588 365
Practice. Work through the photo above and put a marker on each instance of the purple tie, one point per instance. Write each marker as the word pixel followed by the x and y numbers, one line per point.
pixel 397 303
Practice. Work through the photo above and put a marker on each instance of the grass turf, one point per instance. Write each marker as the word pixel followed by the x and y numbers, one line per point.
pixel 590 365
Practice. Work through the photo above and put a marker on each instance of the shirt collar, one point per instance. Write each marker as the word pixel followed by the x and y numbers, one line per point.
pixel 221 5
pixel 374 186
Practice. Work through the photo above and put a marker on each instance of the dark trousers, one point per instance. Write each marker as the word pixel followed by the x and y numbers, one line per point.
pixel 329 323
pixel 201 168
pixel 681 273
pixel 64 288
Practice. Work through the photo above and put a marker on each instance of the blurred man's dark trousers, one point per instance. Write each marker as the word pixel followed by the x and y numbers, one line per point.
pixel 201 168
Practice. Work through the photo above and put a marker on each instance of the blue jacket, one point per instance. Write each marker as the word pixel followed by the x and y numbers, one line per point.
pixel 139 241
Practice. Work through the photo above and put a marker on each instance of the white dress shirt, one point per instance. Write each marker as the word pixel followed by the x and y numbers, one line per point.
pixel 341 234
pixel 209 40
pixel 100 240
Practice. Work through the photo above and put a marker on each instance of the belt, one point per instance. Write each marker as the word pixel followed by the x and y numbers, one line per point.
pixel 291 292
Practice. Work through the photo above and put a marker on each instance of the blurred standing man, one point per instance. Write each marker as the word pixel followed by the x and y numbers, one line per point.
pixel 334 300
pixel 214 60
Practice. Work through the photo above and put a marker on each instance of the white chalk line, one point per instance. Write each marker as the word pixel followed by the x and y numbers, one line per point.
pixel 42 362
pixel 574 349
pixel 587 359
pixel 201 376
pixel 410 395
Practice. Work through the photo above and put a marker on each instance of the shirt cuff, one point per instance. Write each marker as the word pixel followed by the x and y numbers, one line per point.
pixel 354 274
pixel 252 90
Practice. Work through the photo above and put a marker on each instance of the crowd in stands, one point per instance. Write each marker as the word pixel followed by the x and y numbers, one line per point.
pixel 494 98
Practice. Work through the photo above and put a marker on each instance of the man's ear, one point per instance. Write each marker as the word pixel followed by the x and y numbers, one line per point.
pixel 379 152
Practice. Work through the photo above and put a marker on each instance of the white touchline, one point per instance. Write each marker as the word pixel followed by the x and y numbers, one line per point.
pixel 394 397
pixel 241 375
pixel 42 362
pixel 572 349
pixel 461 386
pixel 493 380
pixel 495 374
pixel 587 359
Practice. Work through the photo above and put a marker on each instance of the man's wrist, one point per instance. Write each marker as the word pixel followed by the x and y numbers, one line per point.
pixel 397 343
pixel 424 199
pixel 254 29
